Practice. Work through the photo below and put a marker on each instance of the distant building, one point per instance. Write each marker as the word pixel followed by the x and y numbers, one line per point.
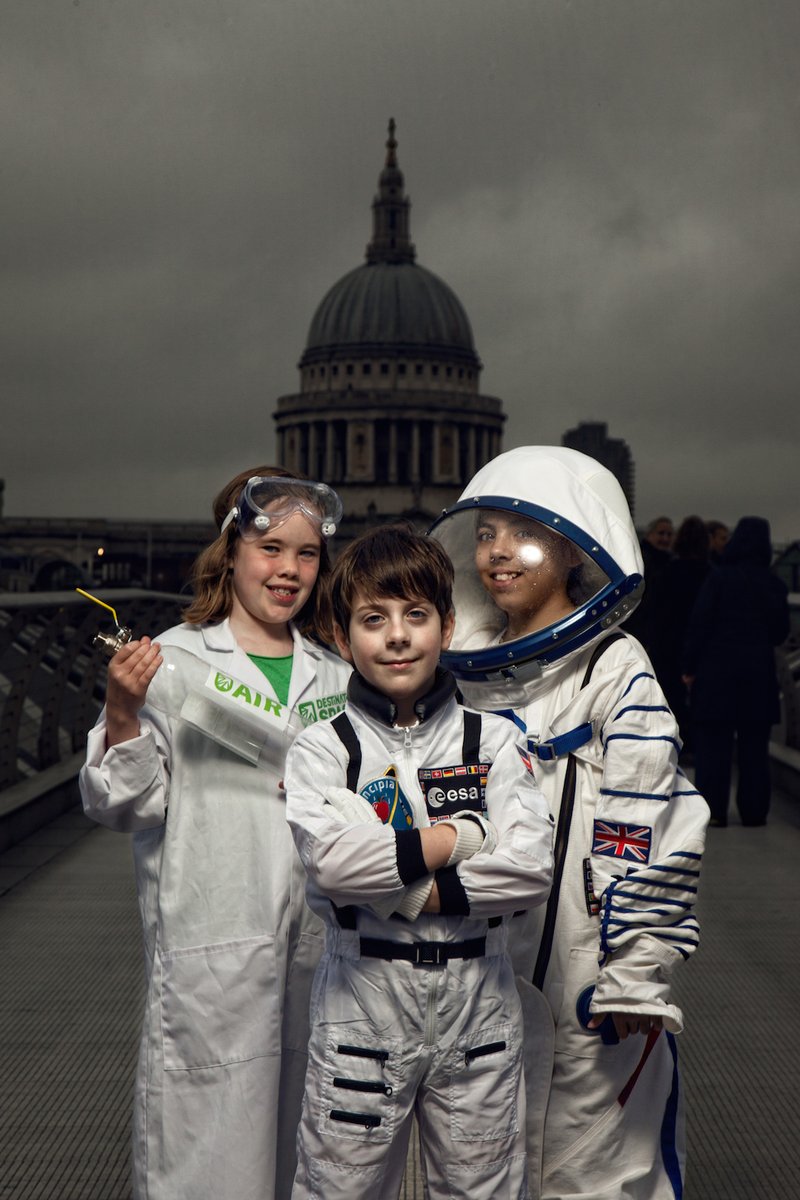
pixel 44 554
pixel 389 412
pixel 591 437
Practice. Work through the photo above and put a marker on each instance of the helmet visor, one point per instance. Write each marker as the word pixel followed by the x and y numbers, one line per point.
pixel 515 575
pixel 265 502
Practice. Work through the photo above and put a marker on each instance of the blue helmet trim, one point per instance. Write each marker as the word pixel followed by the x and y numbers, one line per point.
pixel 545 516
pixel 546 646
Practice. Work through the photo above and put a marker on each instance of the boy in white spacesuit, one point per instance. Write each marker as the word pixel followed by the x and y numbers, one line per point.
pixel 547 563
pixel 440 833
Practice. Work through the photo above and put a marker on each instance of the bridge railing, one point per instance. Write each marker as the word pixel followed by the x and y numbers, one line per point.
pixel 52 683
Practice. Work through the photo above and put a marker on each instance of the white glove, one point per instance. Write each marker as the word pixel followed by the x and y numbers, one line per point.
pixel 473 833
pixel 352 807
pixel 355 810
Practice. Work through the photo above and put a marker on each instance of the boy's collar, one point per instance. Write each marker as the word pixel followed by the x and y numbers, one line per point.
pixel 379 706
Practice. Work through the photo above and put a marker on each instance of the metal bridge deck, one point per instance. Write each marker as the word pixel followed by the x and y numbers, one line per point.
pixel 71 996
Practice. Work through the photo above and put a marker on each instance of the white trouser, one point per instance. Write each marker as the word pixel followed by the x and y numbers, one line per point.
pixel 390 1040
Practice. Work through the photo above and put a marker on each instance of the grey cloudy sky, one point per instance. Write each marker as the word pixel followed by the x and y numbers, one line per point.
pixel 611 187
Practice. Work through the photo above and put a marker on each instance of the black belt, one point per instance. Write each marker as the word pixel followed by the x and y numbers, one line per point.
pixel 422 954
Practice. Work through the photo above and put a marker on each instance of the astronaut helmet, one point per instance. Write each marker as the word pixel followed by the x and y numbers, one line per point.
pixel 546 559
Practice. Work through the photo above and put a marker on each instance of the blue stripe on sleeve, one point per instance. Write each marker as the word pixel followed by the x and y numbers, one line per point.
pixel 636 678
pixel 641 708
pixel 632 795
pixel 643 737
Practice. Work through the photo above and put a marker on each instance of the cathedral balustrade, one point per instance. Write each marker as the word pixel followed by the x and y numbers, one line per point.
pixel 52 683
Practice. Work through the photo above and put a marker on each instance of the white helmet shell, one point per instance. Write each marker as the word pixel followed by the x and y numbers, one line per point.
pixel 557 491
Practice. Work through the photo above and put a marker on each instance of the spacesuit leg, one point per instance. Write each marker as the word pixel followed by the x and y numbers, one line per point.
pixel 615 1123
pixel 471 1104
pixel 360 1087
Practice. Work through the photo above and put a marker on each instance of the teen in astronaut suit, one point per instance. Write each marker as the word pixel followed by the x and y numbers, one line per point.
pixel 547 564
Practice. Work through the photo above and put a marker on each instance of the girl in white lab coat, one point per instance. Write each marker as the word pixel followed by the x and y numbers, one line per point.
pixel 230 946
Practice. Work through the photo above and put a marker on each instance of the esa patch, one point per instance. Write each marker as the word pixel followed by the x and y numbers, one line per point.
pixel 449 790
pixel 614 840
pixel 387 798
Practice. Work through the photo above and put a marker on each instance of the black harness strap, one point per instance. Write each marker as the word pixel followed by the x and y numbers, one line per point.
pixel 562 835
pixel 346 916
pixel 471 747
pixel 347 736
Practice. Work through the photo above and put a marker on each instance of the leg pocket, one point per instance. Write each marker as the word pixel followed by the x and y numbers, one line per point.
pixel 485 1073
pixel 360 1077
pixel 219 1004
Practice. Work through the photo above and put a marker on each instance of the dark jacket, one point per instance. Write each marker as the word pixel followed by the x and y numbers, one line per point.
pixel 741 614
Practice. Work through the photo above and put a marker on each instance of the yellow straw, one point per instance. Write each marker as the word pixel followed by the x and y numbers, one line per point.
pixel 102 603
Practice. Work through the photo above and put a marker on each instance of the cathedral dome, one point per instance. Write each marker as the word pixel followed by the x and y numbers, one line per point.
pixel 390 306
pixel 397 307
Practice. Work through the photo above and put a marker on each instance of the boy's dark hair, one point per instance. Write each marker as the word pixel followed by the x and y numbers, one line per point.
pixel 391 561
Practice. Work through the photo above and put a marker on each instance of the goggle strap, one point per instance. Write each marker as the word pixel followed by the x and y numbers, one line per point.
pixel 232 515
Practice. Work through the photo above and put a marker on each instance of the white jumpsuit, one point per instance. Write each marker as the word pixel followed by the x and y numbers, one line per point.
pixel 389 1037
pixel 230 945
pixel 621 911
pixel 613 1129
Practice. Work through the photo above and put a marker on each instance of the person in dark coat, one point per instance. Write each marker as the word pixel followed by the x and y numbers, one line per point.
pixel 656 547
pixel 741 615
pixel 674 592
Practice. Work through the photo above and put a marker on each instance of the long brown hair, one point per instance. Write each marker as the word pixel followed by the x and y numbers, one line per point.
pixel 212 571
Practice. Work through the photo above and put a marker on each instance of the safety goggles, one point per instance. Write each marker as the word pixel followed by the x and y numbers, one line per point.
pixel 267 501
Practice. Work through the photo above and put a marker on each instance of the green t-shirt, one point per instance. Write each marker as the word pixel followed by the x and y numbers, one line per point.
pixel 278 671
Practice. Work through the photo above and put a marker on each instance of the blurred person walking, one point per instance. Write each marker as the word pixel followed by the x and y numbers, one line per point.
pixel 718 537
pixel 673 597
pixel 656 548
pixel 741 615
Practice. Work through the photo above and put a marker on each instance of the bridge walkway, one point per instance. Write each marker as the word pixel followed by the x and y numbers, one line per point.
pixel 71 996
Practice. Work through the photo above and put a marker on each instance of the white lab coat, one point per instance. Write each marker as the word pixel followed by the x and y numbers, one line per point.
pixel 230 946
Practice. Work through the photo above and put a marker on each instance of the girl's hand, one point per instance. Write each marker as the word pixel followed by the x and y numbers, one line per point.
pixel 625 1023
pixel 129 674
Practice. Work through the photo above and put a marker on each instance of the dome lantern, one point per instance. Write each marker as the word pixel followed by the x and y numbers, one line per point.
pixel 391 242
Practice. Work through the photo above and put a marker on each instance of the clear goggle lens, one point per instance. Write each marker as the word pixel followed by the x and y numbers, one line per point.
pixel 265 502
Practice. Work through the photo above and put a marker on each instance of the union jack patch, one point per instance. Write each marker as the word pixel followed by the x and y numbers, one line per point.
pixel 622 841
